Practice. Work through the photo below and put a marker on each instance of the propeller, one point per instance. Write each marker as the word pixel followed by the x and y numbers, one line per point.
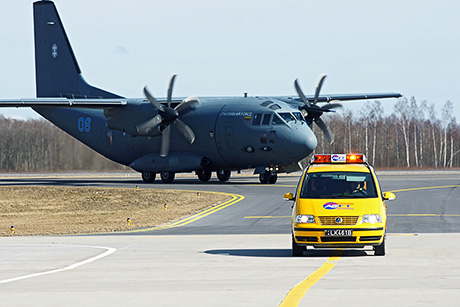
pixel 312 111
pixel 167 117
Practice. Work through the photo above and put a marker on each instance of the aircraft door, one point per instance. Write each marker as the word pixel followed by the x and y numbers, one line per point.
pixel 233 135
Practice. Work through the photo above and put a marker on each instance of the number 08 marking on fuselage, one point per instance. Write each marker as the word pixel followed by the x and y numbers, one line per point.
pixel 84 124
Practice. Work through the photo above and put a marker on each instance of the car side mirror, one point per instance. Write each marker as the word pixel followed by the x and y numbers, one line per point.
pixel 288 196
pixel 388 196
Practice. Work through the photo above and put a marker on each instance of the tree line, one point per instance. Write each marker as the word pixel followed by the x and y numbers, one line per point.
pixel 39 146
pixel 412 136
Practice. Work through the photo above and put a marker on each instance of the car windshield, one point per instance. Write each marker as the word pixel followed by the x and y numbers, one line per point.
pixel 338 185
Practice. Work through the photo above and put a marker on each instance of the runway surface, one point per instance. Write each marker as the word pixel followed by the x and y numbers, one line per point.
pixel 240 255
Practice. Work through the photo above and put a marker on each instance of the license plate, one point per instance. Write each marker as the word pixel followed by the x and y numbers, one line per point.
pixel 338 232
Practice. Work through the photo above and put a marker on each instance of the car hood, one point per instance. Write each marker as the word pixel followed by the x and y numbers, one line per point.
pixel 343 207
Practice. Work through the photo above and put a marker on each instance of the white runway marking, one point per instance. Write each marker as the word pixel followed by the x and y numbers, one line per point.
pixel 109 250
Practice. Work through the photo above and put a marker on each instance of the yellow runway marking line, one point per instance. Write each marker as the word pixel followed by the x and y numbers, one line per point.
pixel 267 217
pixel 235 199
pixel 426 188
pixel 296 294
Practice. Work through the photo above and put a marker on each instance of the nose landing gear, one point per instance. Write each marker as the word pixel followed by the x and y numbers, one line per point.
pixel 268 177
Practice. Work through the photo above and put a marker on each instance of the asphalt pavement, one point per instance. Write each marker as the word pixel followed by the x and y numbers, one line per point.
pixel 239 255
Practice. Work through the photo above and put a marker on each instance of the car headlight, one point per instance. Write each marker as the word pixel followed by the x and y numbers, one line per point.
pixel 302 219
pixel 372 218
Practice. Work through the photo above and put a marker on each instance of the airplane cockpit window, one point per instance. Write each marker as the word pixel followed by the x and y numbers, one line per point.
pixel 277 120
pixel 256 119
pixel 299 116
pixel 266 119
pixel 274 107
pixel 288 117
pixel 266 103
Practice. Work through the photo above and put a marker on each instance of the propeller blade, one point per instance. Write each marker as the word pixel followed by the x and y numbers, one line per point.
pixel 321 79
pixel 170 88
pixel 187 103
pixel 167 117
pixel 332 105
pixel 165 142
pixel 185 130
pixel 300 93
pixel 146 127
pixel 327 132
pixel 152 100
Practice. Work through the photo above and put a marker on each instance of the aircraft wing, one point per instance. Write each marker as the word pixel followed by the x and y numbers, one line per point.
pixel 344 97
pixel 63 102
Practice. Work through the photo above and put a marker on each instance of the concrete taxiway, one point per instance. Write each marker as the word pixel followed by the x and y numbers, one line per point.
pixel 240 255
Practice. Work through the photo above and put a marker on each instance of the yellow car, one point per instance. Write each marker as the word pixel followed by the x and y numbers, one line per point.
pixel 338 204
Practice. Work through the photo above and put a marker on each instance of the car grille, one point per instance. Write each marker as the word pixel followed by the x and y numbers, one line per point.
pixel 330 220
pixel 370 238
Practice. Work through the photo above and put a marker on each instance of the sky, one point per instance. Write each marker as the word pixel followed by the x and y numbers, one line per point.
pixel 228 47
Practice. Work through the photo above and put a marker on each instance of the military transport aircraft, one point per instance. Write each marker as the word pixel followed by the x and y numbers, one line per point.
pixel 171 135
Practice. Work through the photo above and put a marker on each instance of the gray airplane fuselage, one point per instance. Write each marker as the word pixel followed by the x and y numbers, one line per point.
pixel 231 133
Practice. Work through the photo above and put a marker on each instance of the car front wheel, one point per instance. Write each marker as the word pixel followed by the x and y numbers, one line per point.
pixel 379 250
pixel 297 250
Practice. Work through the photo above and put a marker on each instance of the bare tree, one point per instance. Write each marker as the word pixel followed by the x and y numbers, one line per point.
pixel 375 115
pixel 403 113
pixel 446 118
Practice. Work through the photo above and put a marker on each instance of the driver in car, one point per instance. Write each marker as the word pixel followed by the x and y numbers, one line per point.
pixel 355 189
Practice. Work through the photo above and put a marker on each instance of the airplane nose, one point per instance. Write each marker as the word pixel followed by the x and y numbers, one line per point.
pixel 304 141
pixel 310 140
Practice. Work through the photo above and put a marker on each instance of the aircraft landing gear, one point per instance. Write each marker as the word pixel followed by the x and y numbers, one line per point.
pixel 204 175
pixel 268 177
pixel 223 175
pixel 167 176
pixel 273 179
pixel 148 177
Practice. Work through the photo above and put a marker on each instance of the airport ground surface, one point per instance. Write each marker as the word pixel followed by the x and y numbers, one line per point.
pixel 239 255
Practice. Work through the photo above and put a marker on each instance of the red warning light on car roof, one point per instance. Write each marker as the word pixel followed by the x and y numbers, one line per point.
pixel 339 158
pixel 355 158
pixel 321 159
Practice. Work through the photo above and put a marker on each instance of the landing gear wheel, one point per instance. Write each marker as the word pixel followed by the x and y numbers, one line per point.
pixel 148 177
pixel 167 176
pixel 223 175
pixel 268 177
pixel 204 175
pixel 379 250
pixel 297 250
pixel 272 179
pixel 264 178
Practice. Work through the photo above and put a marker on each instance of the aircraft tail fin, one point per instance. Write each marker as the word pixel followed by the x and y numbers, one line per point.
pixel 56 69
